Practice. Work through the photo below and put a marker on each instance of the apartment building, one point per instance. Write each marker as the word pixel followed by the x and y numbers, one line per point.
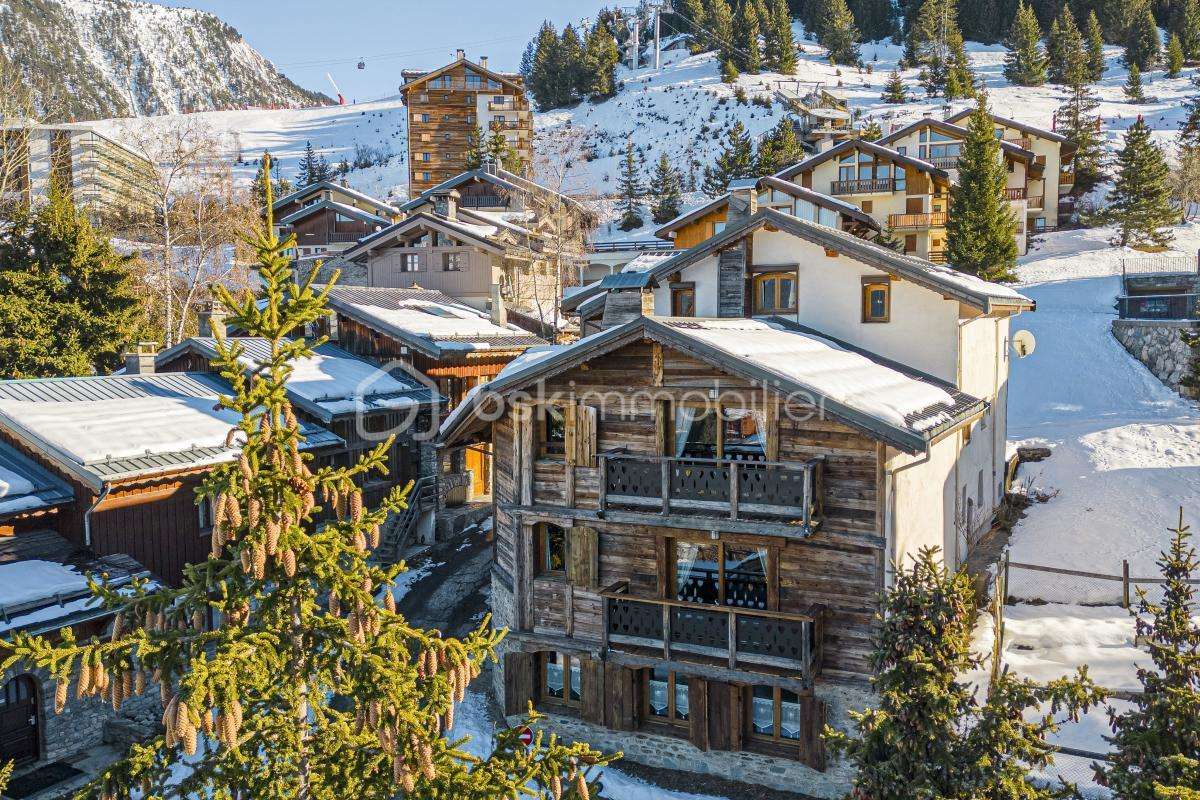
pixel 449 105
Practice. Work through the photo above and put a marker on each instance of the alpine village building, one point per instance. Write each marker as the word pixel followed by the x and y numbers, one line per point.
pixel 450 106
pixel 327 218
pixel 695 513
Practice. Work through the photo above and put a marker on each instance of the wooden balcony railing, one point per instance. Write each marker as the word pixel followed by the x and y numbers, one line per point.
pixel 1066 177
pixel 738 635
pixel 936 219
pixel 1015 194
pixel 715 488
pixel 1035 202
pixel 1020 141
pixel 944 162
pixel 937 256
pixel 505 125
pixel 863 186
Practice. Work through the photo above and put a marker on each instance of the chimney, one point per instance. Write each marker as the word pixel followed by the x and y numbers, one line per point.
pixel 630 296
pixel 445 203
pixel 141 360
pixel 743 199
pixel 460 54
pixel 498 311
pixel 211 316
pixel 483 62
pixel 732 260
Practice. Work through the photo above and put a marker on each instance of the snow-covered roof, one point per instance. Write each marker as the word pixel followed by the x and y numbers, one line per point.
pixel 116 427
pixel 27 486
pixel 330 383
pixel 354 212
pixel 335 188
pixel 429 321
pixel 478 233
pixel 888 401
pixel 502 178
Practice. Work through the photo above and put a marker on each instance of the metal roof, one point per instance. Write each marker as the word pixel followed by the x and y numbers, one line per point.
pixel 48 488
pixel 330 186
pixel 628 280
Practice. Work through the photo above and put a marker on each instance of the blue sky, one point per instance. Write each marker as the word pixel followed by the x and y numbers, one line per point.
pixel 308 38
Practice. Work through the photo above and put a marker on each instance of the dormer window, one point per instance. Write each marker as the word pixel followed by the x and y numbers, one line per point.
pixel 774 293
pixel 876 299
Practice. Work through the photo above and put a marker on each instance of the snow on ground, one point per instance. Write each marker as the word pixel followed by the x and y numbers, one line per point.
pixel 473 718
pixel 1126 448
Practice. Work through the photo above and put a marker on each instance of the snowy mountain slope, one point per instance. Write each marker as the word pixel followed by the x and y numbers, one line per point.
pixel 126 57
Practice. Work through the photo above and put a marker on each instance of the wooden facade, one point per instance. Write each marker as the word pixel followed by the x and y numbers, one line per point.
pixel 450 106
pixel 618 605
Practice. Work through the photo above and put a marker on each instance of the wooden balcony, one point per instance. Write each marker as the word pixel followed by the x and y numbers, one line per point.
pixel 505 125
pixel 723 489
pixel 1066 178
pixel 944 162
pixel 1022 142
pixel 1035 202
pixel 863 186
pixel 736 637
pixel 1015 194
pixel 936 219
pixel 937 256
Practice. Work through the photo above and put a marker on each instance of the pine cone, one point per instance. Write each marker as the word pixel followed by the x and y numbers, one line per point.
pixel 581 786
pixel 118 628
pixel 335 604
pixel 247 563
pixel 259 561
pixel 234 513
pixel 556 786
pixel 253 510
pixel 244 466
pixel 179 721
pixel 389 601
pixel 189 740
pixel 289 563
pixel 356 506
pixel 139 682
pixel 360 541
pixel 61 689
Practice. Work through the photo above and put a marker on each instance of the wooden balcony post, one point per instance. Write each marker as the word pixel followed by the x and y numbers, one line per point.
pixel 733 489
pixel 603 498
pixel 666 613
pixel 666 486
pixel 806 651
pixel 808 491
pixel 732 639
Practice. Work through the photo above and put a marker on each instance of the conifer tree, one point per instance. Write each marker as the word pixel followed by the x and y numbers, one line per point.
pixel 1140 200
pixel 1189 129
pixel 838 34
pixel 1065 51
pixel 936 45
pixel 279 186
pixel 602 59
pixel 1188 29
pixel 872 131
pixel 1156 744
pixel 874 19
pixel 311 685
pixel 68 301
pixel 476 149
pixel 1174 56
pixel 313 168
pixel 573 78
pixel 547 69
pixel 666 189
pixel 1077 122
pixel 981 229
pixel 1143 46
pixel 780 45
pixel 729 72
pixel 735 161
pixel 932 735
pixel 894 92
pixel 632 190
pixel 1095 47
pixel 746 30
pixel 960 80
pixel 1025 64
pixel 1115 18
pixel 780 148
pixel 1133 85
pixel 692 12
pixel 498 150
pixel 720 26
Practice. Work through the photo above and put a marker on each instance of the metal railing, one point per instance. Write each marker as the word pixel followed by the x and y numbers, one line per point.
pixel 1015 194
pixel 1161 265
pixel 400 528
pixel 720 488
pixel 936 219
pixel 640 244
pixel 1159 306
pixel 738 635
pixel 863 186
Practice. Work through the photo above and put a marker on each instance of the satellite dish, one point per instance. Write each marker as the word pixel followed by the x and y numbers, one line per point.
pixel 1023 343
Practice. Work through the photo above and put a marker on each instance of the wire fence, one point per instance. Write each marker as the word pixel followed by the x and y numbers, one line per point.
pixel 1035 583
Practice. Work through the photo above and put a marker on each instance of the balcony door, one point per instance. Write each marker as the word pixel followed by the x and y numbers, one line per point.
pixel 736 434
pixel 721 574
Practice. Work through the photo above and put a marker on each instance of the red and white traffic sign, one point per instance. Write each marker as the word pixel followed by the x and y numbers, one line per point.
pixel 525 735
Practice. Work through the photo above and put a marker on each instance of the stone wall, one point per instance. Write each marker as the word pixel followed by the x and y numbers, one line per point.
pixel 1157 344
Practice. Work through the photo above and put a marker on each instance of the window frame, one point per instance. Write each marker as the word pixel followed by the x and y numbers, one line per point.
pixel 778 277
pixel 453 261
pixel 679 290
pixel 546 447
pixel 771 566
pixel 410 262
pixel 776 738
pixel 671 717
pixel 566 701
pixel 204 516
pixel 541 549
pixel 869 285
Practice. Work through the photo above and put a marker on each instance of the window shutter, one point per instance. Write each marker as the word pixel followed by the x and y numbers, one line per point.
pixel 519 672
pixel 621 698
pixel 812 723
pixel 570 435
pixel 698 712
pixel 592 676
pixel 585 435
pixel 725 703
pixel 582 555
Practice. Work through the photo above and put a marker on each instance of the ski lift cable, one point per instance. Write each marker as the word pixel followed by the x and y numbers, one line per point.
pixel 701 29
pixel 391 55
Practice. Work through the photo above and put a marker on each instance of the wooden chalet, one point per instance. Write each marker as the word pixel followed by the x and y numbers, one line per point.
pixel 132 449
pixel 452 346
pixel 695 515
pixel 449 106
pixel 328 218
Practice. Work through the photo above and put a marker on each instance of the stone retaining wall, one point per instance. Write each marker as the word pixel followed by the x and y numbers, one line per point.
pixel 1157 344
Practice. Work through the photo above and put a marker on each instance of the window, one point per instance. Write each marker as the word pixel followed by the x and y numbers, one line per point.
pixel 425 156
pixel 551 546
pixel 445 137
pixel 683 302
pixel 721 574
pixel 453 262
pixel 730 433
pixel 562 679
pixel 774 292
pixel 204 516
pixel 876 300
pixel 868 206
pixel 425 176
pixel 410 262
pixel 902 150
pixel 424 118
pixel 718 227
pixel 774 714
pixel 554 431
pixel 667 696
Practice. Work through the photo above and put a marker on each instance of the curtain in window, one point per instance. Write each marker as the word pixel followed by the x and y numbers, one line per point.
pixel 681 697
pixel 696 574
pixel 763 710
pixel 554 675
pixel 789 715
pixel 684 417
pixel 659 688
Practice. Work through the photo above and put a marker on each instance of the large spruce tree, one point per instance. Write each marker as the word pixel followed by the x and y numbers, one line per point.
pixel 719 35
pixel 1143 45
pixel 838 34
pixel 690 14
pixel 632 190
pixel 68 301
pixel 1140 200
pixel 936 45
pixel 780 148
pixel 666 191
pixel 547 68
pixel 780 47
pixel 747 27
pixel 1077 119
pixel 1025 64
pixel 1067 58
pixel 981 228
pixel 602 59
pixel 736 160
pixel 932 735
pixel 311 685
pixel 1187 27
pixel 1095 47
pixel 1155 751
pixel 313 168
pixel 1174 58
pixel 875 19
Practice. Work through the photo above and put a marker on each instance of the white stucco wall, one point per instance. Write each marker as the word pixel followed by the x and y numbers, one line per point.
pixel 922 503
pixel 704 274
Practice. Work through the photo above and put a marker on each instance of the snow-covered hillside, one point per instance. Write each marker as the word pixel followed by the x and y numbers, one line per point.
pixel 126 57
